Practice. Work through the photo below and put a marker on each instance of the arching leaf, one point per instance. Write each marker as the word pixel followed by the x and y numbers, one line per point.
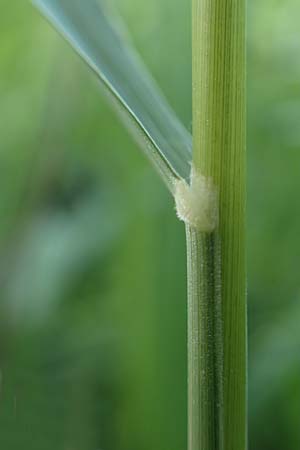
pixel 102 43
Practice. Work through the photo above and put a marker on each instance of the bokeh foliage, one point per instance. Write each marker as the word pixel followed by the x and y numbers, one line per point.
pixel 93 302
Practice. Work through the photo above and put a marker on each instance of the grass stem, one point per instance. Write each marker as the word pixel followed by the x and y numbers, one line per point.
pixel 216 260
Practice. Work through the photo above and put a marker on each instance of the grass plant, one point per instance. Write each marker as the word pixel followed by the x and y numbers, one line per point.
pixel 205 174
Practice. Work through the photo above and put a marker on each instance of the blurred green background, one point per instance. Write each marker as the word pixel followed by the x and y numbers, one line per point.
pixel 92 258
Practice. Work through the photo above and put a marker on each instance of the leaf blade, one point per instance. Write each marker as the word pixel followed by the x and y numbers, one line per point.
pixel 99 41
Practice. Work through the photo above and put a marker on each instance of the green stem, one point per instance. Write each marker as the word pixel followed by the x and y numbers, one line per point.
pixel 217 354
pixel 205 350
